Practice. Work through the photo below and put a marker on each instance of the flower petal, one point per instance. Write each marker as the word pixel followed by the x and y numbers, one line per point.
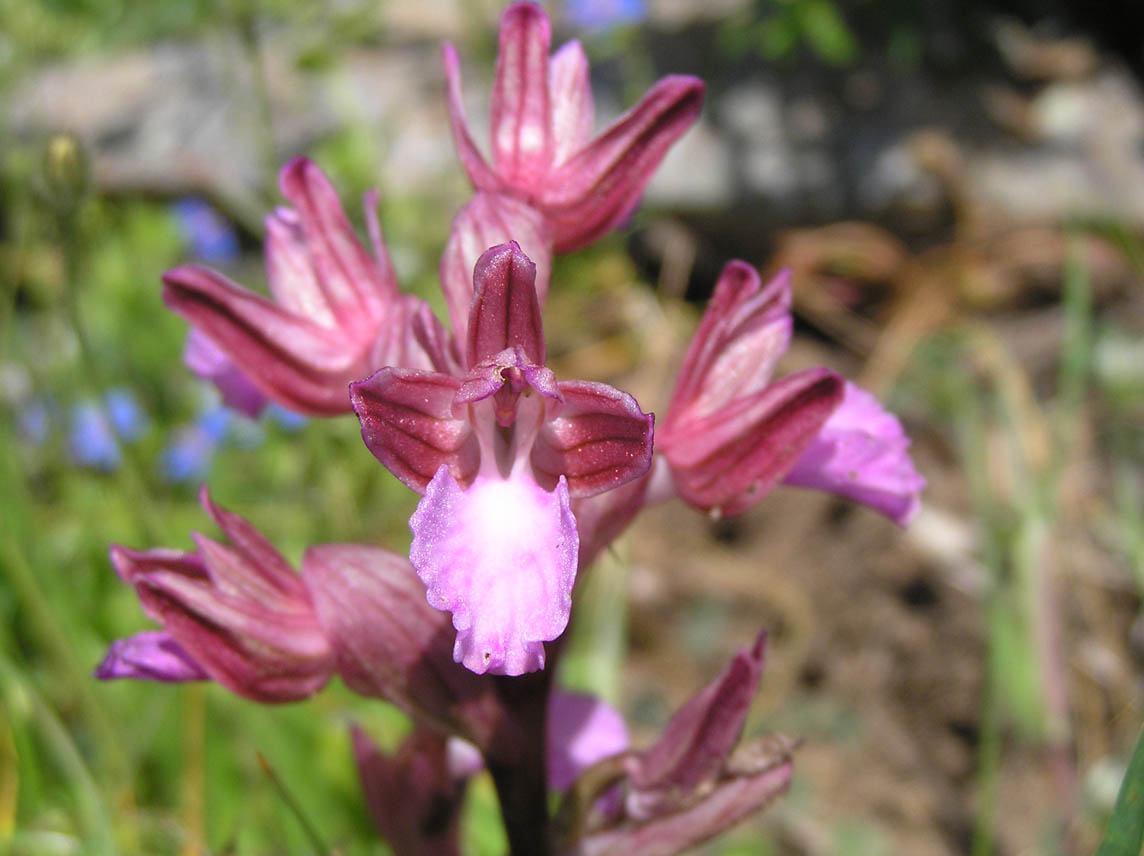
pixel 206 359
pixel 501 557
pixel 729 801
pixel 474 163
pixel 744 331
pixel 299 364
pixel 505 311
pixel 594 191
pixel 412 795
pixel 149 656
pixel 573 110
pixel 290 270
pixel 519 117
pixel 599 440
pixel 389 643
pixel 733 458
pixel 407 422
pixel 487 220
pixel 582 730
pixel 861 454
pixel 353 283
pixel 698 740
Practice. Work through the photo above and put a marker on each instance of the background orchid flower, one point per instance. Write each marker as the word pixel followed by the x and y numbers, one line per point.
pixel 541 121
pixel 336 313
pixel 498 455
pixel 237 614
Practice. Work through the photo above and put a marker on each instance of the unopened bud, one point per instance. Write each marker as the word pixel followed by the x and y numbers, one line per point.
pixel 66 172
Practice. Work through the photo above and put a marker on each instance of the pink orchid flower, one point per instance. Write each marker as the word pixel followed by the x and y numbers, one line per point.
pixel 336 313
pixel 498 453
pixel 733 433
pixel 542 116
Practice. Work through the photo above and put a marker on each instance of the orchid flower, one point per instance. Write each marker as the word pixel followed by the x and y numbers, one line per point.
pixel 542 116
pixel 691 783
pixel 732 433
pixel 498 453
pixel 237 614
pixel 336 314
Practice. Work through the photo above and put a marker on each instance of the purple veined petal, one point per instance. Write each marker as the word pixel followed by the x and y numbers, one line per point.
pixel 263 566
pixel 476 167
pixel 596 188
pixel 599 440
pixel 149 656
pixel 255 636
pixel 407 423
pixel 505 311
pixel 582 730
pixel 389 642
pixel 207 360
pixel 352 282
pixel 861 454
pixel 501 557
pixel 487 220
pixel 743 333
pixel 730 801
pixel 300 365
pixel 700 736
pixel 519 112
pixel 573 108
pixel 731 459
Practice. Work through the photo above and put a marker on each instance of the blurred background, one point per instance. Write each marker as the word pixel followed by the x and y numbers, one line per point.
pixel 958 188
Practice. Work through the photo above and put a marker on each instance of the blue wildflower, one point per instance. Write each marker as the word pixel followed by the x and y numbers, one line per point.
pixel 604 14
pixel 92 439
pixel 208 233
pixel 127 418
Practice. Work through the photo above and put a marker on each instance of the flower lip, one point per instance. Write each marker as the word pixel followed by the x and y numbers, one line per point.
pixel 501 556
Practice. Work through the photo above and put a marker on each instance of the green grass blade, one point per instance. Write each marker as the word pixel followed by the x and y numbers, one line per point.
pixel 1125 833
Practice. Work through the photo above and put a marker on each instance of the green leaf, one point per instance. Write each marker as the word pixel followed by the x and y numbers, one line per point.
pixel 1125 833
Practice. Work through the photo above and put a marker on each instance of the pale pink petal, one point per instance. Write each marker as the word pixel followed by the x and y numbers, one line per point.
pixel 290 270
pixel 582 730
pixel 573 110
pixel 352 282
pixel 501 557
pixel 861 454
pixel 519 113
pixel 743 333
